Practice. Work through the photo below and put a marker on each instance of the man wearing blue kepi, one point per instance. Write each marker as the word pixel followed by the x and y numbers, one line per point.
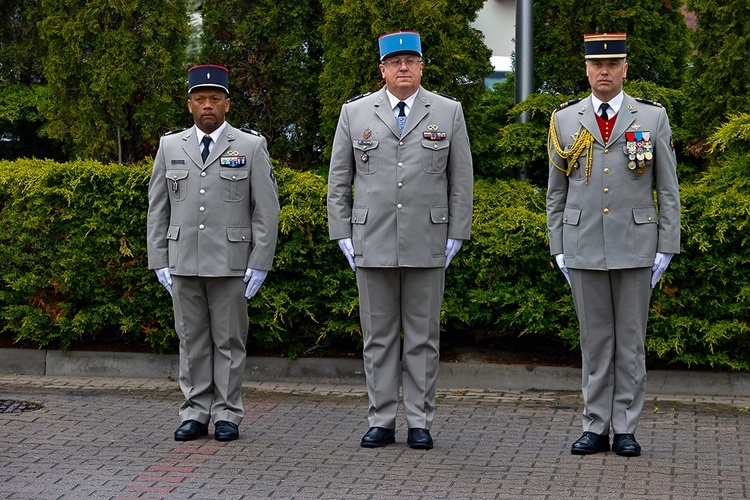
pixel 607 155
pixel 400 193
pixel 212 227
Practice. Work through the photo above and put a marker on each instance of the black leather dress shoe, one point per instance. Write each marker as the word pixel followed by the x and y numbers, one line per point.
pixel 377 437
pixel 590 443
pixel 226 431
pixel 189 430
pixel 625 445
pixel 419 439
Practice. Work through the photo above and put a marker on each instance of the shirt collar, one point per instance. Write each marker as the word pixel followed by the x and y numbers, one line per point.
pixel 395 100
pixel 615 103
pixel 199 134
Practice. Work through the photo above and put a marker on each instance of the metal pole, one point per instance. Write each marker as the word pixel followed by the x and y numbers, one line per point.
pixel 524 57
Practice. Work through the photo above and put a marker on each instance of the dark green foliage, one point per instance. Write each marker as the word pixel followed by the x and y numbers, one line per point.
pixel 73 268
pixel 114 72
pixel 701 312
pixel 273 51
pixel 718 82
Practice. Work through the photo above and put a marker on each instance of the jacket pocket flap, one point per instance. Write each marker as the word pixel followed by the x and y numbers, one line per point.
pixel 233 175
pixel 364 144
pixel 359 215
pixel 239 234
pixel 645 215
pixel 176 175
pixel 435 145
pixel 173 232
pixel 439 215
pixel 572 216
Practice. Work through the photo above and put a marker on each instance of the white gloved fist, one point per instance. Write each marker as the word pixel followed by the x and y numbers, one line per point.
pixel 345 244
pixel 254 278
pixel 661 261
pixel 451 249
pixel 560 259
pixel 165 278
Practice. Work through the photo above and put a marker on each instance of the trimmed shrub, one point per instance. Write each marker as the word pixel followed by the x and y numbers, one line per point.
pixel 73 269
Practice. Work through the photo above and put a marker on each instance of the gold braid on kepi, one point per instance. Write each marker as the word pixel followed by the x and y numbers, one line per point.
pixel 583 141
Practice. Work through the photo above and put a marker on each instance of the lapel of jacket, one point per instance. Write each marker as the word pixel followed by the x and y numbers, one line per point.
pixel 190 146
pixel 227 136
pixel 625 118
pixel 588 119
pixel 418 111
pixel 384 112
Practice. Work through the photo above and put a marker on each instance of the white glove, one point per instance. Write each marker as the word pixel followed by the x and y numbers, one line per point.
pixel 345 244
pixel 661 261
pixel 254 278
pixel 452 247
pixel 560 258
pixel 165 278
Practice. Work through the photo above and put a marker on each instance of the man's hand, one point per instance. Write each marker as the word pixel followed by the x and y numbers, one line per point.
pixel 451 249
pixel 345 244
pixel 165 278
pixel 661 261
pixel 254 278
pixel 560 259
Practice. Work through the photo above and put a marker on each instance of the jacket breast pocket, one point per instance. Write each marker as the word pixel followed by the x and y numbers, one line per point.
pixel 571 220
pixel 435 156
pixel 234 185
pixel 366 156
pixel 177 182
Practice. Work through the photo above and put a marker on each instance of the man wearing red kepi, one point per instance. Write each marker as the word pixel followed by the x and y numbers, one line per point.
pixel 607 154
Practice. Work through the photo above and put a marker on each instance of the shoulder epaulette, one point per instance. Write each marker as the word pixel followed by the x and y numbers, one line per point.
pixel 360 96
pixel 250 131
pixel 174 131
pixel 566 104
pixel 648 101
pixel 446 95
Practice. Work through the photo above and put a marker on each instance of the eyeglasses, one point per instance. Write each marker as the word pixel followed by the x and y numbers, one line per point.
pixel 396 63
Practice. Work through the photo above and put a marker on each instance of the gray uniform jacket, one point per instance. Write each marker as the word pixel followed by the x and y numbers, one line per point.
pixel 217 219
pixel 611 221
pixel 411 192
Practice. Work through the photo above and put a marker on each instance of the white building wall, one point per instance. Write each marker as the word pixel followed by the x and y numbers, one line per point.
pixel 497 20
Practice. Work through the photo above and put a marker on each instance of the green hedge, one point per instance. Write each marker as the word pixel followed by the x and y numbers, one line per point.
pixel 73 268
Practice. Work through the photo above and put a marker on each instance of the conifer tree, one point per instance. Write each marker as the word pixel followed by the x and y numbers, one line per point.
pixel 273 53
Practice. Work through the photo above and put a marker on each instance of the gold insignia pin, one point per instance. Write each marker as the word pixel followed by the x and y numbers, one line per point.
pixel 432 127
pixel 233 153
pixel 367 133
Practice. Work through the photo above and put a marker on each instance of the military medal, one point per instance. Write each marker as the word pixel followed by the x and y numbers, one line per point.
pixel 630 149
pixel 432 133
pixel 367 133
pixel 365 157
pixel 174 186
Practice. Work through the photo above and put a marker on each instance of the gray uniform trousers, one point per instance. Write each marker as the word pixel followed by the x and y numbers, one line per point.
pixel 211 322
pixel 392 300
pixel 612 308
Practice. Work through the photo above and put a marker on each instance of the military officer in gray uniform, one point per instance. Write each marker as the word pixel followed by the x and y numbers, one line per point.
pixel 400 194
pixel 212 227
pixel 608 153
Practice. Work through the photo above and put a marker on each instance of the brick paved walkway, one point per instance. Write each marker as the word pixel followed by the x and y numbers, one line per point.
pixel 110 438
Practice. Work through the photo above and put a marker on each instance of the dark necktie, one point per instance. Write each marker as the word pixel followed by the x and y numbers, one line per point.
pixel 206 143
pixel 401 120
pixel 603 108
